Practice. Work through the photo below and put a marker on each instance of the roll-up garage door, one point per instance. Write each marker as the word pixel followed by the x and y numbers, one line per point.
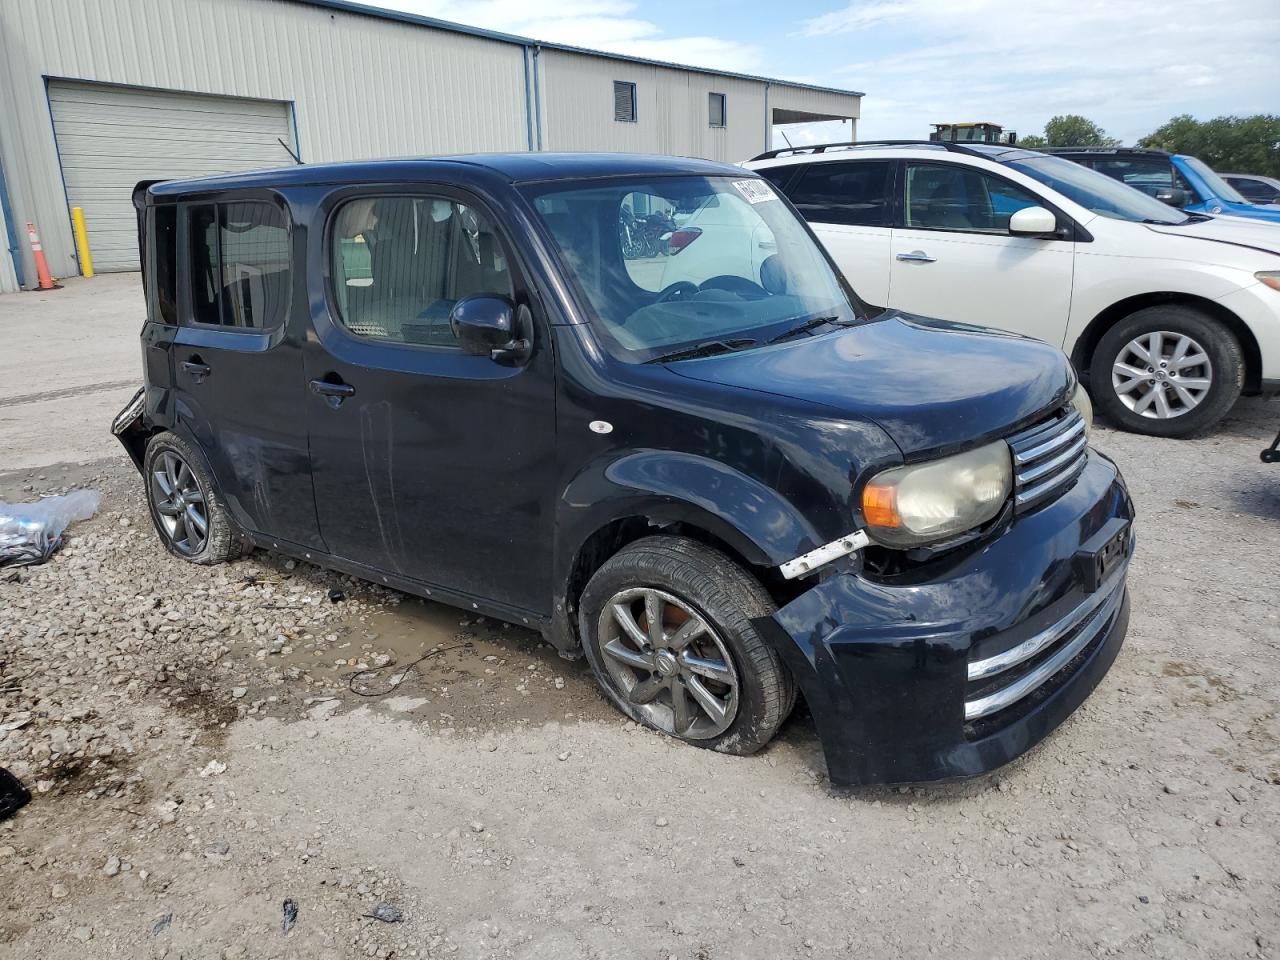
pixel 111 137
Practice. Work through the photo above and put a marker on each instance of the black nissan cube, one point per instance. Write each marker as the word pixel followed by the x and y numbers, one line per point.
pixel 700 460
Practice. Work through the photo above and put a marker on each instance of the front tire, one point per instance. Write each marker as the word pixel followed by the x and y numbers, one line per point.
pixel 1167 371
pixel 666 626
pixel 185 506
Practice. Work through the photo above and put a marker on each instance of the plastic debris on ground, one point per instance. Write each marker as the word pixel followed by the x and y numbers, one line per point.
pixel 386 913
pixel 30 532
pixel 290 916
pixel 13 795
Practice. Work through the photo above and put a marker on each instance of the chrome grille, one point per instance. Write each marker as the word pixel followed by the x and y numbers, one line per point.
pixel 1047 458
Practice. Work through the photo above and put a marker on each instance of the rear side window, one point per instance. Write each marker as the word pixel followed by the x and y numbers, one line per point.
pixel 239 262
pixel 162 254
pixel 399 264
pixel 951 197
pixel 855 193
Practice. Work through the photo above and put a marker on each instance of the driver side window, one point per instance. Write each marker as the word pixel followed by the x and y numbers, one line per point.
pixel 399 264
pixel 951 197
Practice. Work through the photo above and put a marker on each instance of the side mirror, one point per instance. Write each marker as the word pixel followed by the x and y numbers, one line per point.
pixel 1173 196
pixel 485 326
pixel 1033 222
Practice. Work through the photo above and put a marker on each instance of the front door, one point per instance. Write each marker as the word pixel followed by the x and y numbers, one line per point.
pixel 954 258
pixel 429 463
pixel 236 365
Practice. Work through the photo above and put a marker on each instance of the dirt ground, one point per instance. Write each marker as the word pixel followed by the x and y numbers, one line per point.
pixel 201 766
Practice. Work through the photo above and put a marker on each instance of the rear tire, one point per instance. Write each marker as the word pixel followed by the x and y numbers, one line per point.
pixel 1166 371
pixel 185 506
pixel 735 689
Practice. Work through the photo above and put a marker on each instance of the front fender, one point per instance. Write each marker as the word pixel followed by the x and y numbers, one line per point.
pixel 740 510
pixel 669 487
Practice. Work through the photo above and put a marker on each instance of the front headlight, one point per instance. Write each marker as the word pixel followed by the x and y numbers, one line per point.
pixel 1084 407
pixel 925 502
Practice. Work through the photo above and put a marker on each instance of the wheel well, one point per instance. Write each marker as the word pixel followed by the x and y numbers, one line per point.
pixel 614 536
pixel 135 442
pixel 1082 353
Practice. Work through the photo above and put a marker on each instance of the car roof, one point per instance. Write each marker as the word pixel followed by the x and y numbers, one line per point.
pixel 1108 151
pixel 825 153
pixel 508 167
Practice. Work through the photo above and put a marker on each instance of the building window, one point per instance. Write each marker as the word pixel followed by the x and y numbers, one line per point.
pixel 239 264
pixel 716 107
pixel 624 101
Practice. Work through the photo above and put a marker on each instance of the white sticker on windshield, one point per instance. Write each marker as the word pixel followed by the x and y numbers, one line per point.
pixel 755 191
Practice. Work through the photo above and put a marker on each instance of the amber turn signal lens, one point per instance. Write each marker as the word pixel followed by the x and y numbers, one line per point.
pixel 1270 277
pixel 879 506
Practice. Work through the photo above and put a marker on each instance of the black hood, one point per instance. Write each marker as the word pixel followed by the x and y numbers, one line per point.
pixel 931 385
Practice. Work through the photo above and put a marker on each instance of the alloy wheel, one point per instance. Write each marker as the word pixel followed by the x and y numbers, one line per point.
pixel 180 503
pixel 1162 375
pixel 669 663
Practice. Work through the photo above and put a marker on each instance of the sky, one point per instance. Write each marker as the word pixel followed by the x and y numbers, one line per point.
pixel 1129 65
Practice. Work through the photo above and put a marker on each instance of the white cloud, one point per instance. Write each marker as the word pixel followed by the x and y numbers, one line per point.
pixel 595 24
pixel 1128 64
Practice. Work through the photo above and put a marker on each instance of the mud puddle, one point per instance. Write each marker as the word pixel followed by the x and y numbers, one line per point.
pixel 435 663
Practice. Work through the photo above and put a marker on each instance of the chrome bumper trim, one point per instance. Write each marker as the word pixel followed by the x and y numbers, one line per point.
pixel 978 669
pixel 1006 696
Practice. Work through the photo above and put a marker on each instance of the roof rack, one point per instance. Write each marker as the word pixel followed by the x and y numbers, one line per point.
pixel 949 146
pixel 1152 151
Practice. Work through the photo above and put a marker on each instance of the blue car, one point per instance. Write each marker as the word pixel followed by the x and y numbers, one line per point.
pixel 1175 178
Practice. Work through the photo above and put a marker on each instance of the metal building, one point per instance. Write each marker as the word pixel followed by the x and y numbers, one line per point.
pixel 96 95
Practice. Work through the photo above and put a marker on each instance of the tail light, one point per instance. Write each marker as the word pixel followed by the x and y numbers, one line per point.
pixel 682 238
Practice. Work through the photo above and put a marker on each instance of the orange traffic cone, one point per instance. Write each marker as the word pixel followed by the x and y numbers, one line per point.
pixel 37 251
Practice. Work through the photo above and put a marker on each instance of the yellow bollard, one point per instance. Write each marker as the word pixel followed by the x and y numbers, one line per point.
pixel 82 242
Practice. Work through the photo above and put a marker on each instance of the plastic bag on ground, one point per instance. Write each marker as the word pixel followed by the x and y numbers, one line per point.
pixel 30 532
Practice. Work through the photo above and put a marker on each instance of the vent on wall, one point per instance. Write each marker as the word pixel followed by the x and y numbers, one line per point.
pixel 716 109
pixel 624 101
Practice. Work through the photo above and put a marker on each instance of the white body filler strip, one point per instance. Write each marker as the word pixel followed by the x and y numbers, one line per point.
pixel 808 562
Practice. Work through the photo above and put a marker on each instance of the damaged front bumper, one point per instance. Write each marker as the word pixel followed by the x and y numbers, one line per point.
pixel 912 679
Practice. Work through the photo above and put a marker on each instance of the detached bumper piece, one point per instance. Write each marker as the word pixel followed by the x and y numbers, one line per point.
pixel 963 666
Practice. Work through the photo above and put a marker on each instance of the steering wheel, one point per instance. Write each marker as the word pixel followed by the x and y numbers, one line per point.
pixel 743 287
pixel 680 290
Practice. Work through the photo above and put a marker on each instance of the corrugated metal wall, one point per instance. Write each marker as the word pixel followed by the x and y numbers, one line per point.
pixel 359 87
pixel 672 112
pixel 8 279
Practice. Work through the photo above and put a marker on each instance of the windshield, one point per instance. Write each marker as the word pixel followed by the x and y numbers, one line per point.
pixel 1221 189
pixel 671 265
pixel 1097 192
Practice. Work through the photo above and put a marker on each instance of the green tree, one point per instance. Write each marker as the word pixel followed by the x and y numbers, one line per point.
pixel 1073 130
pixel 1033 141
pixel 1229 144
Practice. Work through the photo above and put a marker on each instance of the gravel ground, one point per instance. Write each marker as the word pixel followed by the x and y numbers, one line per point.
pixel 199 764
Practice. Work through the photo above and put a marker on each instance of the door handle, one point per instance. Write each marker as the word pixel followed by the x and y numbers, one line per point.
pixel 197 370
pixel 333 393
pixel 916 256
